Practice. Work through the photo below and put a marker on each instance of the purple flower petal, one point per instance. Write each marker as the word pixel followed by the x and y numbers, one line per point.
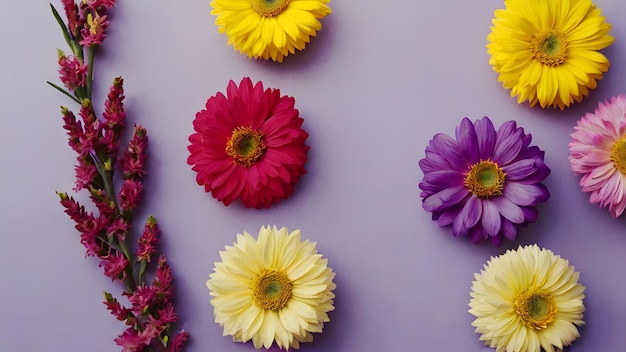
pixel 509 211
pixel 477 234
pixel 449 149
pixel 443 179
pixel 525 194
pixel 509 230
pixel 445 199
pixel 468 217
pixel 486 135
pixel 522 168
pixel 530 214
pixel 508 144
pixel 447 217
pixel 467 140
pixel 491 217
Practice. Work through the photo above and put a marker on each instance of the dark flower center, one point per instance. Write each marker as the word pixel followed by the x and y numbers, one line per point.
pixel 549 48
pixel 618 155
pixel 536 309
pixel 272 289
pixel 485 179
pixel 269 8
pixel 245 146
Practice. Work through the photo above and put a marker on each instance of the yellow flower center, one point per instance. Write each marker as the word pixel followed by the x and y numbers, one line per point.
pixel 245 146
pixel 549 48
pixel 618 155
pixel 272 289
pixel 269 8
pixel 536 309
pixel 485 179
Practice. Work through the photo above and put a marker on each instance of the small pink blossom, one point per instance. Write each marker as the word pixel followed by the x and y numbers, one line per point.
pixel 73 72
pixel 117 310
pixel 106 4
pixel 71 11
pixel 118 228
pixel 146 245
pixel 85 174
pixel 163 281
pixel 131 341
pixel 130 194
pixel 133 160
pixel 178 342
pixel 94 31
pixel 114 265
pixel 141 299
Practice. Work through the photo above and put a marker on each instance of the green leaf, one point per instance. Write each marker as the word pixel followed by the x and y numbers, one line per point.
pixel 64 91
pixel 64 29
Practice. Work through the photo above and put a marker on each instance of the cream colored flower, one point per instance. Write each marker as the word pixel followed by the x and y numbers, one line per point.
pixel 526 300
pixel 275 288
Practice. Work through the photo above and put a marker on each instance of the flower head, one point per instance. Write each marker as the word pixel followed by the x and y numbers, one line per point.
pixel 527 300
pixel 248 145
pixel 485 183
pixel 546 51
pixel 269 28
pixel 275 288
pixel 598 153
pixel 73 72
pixel 94 31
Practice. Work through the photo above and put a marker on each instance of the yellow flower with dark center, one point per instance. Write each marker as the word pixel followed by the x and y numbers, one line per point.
pixel 527 300
pixel 275 288
pixel 269 29
pixel 547 51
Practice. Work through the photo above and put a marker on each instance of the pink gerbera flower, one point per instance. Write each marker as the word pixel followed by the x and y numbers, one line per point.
pixel 598 153
pixel 248 145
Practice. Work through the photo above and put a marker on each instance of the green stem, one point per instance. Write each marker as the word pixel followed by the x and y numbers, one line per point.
pixel 90 62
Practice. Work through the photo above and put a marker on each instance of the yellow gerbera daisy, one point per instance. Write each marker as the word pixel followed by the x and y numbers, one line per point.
pixel 269 28
pixel 546 51
pixel 528 300
pixel 275 288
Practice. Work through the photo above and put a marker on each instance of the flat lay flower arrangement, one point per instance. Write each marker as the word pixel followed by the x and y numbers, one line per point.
pixel 483 182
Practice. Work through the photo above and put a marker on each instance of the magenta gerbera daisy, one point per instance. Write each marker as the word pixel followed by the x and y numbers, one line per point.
pixel 484 182
pixel 248 145
pixel 598 153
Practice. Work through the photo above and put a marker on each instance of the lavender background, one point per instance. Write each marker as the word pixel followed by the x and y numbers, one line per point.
pixel 376 84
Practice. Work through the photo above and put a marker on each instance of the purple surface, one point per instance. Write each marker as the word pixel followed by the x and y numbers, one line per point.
pixel 374 87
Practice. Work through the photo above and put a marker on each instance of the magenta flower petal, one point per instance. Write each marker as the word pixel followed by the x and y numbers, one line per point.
pixel 484 182
pixel 248 145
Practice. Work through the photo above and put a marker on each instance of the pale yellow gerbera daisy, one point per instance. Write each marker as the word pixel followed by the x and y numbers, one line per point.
pixel 274 288
pixel 269 28
pixel 546 51
pixel 527 300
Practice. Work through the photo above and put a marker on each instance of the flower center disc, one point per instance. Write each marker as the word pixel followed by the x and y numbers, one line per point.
pixel 272 290
pixel 536 310
pixel 549 48
pixel 618 155
pixel 485 179
pixel 245 146
pixel 269 8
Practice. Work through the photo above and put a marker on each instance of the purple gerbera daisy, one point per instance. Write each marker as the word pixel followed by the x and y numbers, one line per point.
pixel 485 183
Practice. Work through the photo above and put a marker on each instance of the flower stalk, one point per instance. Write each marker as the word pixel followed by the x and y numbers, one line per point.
pixel 149 313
